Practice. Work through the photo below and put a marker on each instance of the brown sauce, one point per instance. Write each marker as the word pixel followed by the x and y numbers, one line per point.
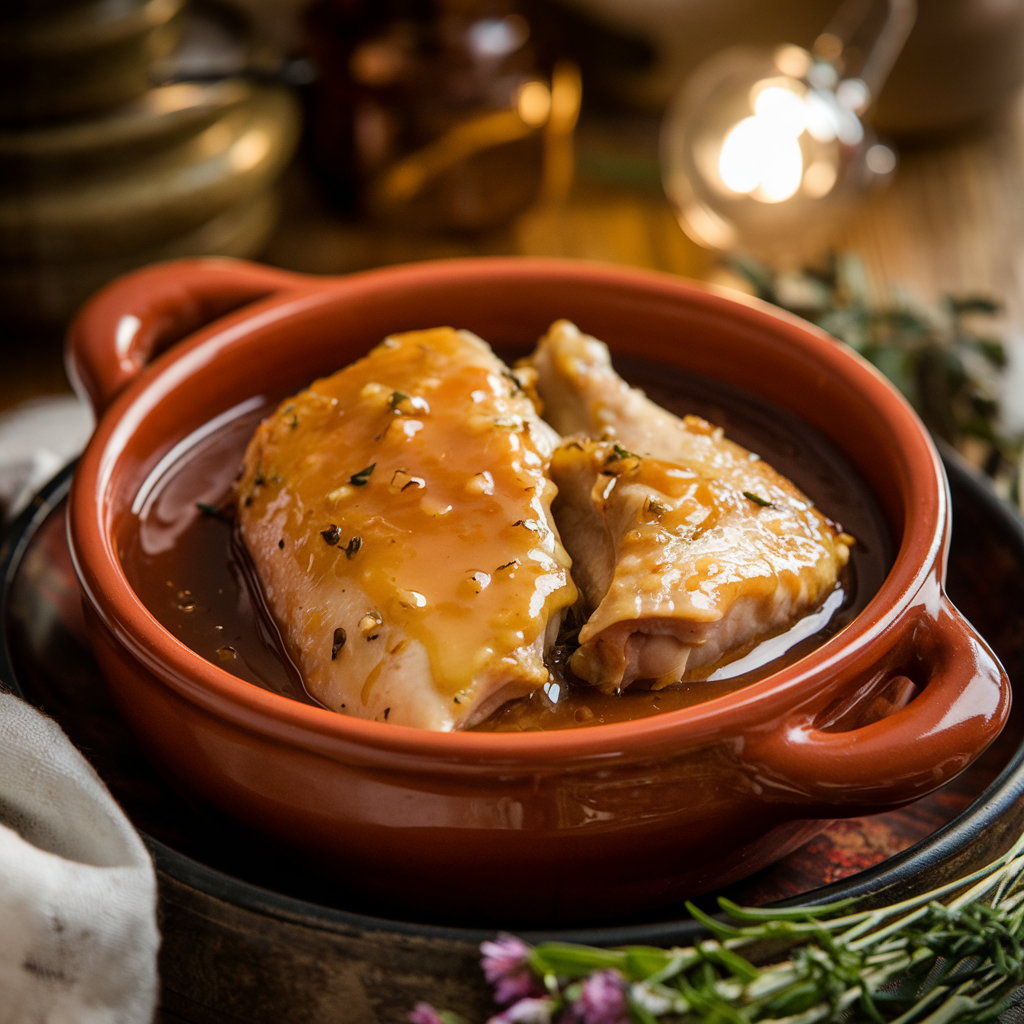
pixel 190 570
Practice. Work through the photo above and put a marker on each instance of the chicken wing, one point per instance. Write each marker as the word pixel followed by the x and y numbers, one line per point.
pixel 688 549
pixel 398 516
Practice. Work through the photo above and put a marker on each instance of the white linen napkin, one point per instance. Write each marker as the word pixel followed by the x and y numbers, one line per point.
pixel 78 936
pixel 37 438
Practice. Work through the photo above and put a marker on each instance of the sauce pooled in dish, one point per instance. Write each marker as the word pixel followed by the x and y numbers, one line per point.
pixel 459 614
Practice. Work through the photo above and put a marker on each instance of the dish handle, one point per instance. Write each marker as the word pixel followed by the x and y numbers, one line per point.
pixel 962 704
pixel 134 318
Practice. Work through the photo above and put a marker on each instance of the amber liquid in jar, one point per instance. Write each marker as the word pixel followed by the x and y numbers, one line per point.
pixel 188 565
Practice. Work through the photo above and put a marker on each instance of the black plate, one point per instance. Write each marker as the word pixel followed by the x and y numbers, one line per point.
pixel 249 937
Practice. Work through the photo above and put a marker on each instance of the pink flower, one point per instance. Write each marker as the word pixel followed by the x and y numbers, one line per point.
pixel 526 1011
pixel 602 1001
pixel 506 967
pixel 503 956
pixel 424 1013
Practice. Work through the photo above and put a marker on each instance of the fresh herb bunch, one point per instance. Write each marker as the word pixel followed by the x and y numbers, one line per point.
pixel 920 961
pixel 947 361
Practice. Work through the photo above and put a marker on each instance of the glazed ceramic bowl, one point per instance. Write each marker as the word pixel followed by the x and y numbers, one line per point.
pixel 524 827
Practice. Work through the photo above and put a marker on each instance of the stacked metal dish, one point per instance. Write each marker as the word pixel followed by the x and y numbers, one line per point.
pixel 102 171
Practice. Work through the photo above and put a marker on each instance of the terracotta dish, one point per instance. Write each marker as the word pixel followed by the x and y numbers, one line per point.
pixel 543 826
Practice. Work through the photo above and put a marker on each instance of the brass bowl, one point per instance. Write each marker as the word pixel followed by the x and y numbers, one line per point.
pixel 83 58
pixel 137 204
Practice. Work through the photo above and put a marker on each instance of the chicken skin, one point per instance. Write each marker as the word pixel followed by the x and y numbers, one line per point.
pixel 688 549
pixel 398 514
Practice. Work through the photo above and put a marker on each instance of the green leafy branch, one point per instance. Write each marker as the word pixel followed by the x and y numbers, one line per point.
pixel 946 360
pixel 919 960
pixel 953 954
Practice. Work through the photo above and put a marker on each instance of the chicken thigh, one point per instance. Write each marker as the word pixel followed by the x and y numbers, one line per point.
pixel 398 516
pixel 688 549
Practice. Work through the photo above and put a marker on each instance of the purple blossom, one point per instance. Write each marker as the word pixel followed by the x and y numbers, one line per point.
pixel 503 956
pixel 526 1011
pixel 424 1013
pixel 506 967
pixel 602 1001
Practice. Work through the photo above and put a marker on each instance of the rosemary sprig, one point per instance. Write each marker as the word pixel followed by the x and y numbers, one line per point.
pixel 953 954
pixel 946 359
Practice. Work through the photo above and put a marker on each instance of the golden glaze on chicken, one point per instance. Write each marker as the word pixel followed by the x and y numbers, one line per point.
pixel 398 515
pixel 688 548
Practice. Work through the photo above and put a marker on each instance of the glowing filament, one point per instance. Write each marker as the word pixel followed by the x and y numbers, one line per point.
pixel 762 154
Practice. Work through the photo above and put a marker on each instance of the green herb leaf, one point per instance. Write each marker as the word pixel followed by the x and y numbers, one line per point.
pixel 642 961
pixel 719 929
pixel 974 304
pixel 361 478
pixel 447 1017
pixel 618 453
pixel 340 636
pixel 353 546
pixel 566 960
pixel 758 501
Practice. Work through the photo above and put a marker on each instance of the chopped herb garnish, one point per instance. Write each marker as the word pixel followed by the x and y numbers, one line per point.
pixel 618 453
pixel 332 534
pixel 340 636
pixel 353 546
pixel 758 501
pixel 362 477
pixel 457 701
pixel 508 565
pixel 207 510
pixel 387 711
pixel 396 399
pixel 513 380
pixel 656 507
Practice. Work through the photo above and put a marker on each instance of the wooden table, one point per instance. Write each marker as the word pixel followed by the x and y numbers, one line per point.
pixel 951 222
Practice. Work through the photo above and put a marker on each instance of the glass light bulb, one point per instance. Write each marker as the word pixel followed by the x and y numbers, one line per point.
pixel 781 108
pixel 739 164
pixel 757 155
pixel 782 165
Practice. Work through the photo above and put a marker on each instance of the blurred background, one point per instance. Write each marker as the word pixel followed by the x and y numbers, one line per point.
pixel 860 162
